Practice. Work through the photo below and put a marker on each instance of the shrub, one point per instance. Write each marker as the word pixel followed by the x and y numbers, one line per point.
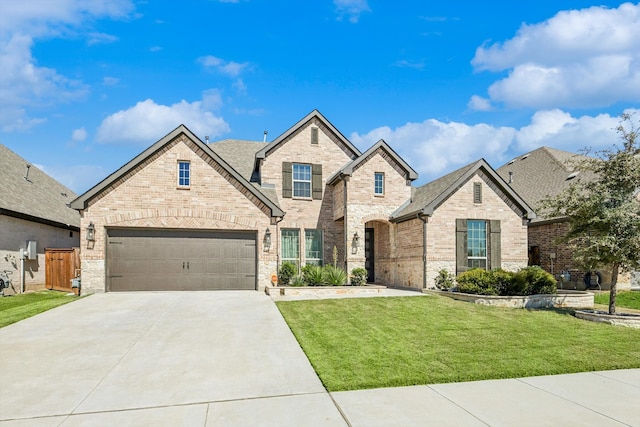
pixel 286 272
pixel 358 276
pixel 297 280
pixel 334 276
pixel 477 281
pixel 534 280
pixel 444 280
pixel 313 275
pixel 503 281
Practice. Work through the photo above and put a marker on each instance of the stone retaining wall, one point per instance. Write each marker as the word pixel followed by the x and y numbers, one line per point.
pixel 563 299
pixel 324 290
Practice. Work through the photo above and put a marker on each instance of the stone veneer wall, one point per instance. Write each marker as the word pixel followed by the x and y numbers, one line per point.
pixel 365 209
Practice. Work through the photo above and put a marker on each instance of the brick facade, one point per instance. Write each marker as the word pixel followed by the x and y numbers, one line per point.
pixel 557 257
pixel 441 230
pixel 146 195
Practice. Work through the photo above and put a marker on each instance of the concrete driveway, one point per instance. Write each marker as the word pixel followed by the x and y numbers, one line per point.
pixel 184 358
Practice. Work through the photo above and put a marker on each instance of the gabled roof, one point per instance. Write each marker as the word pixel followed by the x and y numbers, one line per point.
pixel 426 199
pixel 542 172
pixel 264 152
pixel 240 154
pixel 82 201
pixel 38 197
pixel 348 169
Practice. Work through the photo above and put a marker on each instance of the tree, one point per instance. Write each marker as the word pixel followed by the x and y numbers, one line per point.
pixel 603 210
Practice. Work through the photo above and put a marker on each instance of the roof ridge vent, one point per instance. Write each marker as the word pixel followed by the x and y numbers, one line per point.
pixel 525 156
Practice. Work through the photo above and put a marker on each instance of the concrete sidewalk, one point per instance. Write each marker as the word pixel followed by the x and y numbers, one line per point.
pixel 229 359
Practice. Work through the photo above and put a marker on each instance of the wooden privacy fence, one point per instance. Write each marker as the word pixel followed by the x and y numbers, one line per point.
pixel 61 265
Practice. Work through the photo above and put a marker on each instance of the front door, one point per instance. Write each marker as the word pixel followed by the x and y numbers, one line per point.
pixel 369 255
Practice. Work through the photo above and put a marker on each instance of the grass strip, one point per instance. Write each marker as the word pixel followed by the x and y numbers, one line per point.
pixel 18 307
pixel 627 299
pixel 364 343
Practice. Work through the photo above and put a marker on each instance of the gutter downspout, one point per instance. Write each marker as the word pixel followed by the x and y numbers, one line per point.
pixel 424 219
pixel 22 274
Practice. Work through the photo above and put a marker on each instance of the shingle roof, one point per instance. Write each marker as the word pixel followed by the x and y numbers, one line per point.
pixel 348 169
pixel 240 154
pixel 426 199
pixel 540 173
pixel 315 114
pixel 40 196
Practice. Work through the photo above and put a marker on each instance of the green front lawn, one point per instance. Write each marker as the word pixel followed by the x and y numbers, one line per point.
pixel 386 342
pixel 628 299
pixel 17 307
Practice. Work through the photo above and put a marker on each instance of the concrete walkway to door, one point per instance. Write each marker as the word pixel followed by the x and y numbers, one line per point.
pixel 161 359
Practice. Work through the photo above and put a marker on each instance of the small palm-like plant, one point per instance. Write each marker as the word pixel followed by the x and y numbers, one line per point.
pixel 335 276
pixel 314 275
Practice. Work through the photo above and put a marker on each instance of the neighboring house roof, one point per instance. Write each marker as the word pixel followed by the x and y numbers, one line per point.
pixel 36 196
pixel 82 201
pixel 240 154
pixel 381 145
pixel 426 199
pixel 315 114
pixel 544 172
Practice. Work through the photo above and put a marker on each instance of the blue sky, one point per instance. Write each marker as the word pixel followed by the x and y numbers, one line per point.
pixel 85 85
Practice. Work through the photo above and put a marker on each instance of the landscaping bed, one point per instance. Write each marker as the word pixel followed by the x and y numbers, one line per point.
pixel 324 290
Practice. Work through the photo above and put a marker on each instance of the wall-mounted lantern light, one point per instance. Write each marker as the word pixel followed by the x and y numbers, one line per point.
pixel 91 232
pixel 267 239
pixel 354 243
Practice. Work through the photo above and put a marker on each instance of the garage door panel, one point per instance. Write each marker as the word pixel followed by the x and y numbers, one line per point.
pixel 149 259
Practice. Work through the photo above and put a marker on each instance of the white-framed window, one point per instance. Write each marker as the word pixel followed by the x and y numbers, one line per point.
pixel 378 183
pixel 291 246
pixel 184 173
pixel 477 243
pixel 313 247
pixel 301 180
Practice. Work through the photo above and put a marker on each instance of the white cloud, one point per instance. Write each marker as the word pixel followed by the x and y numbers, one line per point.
pixel 24 84
pixel 155 49
pixel 578 58
pixel 403 63
pixel 436 148
pixel 78 178
pixel 479 103
pixel 101 38
pixel 229 68
pixel 147 121
pixel 79 134
pixel 351 9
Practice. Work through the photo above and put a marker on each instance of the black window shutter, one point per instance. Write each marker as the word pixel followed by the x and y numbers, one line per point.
pixel 495 247
pixel 461 246
pixel 286 180
pixel 316 181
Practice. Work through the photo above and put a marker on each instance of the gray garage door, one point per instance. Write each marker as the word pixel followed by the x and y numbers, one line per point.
pixel 172 260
